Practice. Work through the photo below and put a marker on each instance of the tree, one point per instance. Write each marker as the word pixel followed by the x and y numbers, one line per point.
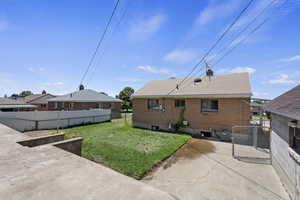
pixel 125 96
pixel 25 93
pixel 5 96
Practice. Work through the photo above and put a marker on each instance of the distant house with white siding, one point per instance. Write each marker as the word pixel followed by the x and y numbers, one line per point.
pixel 285 139
pixel 12 105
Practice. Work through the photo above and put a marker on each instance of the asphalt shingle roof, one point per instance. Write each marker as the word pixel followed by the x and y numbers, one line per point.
pixel 86 95
pixel 287 104
pixel 29 98
pixel 12 103
pixel 230 85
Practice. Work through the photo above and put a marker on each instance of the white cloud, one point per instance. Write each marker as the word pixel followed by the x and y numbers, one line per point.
pixel 291 59
pixel 59 83
pixel 261 94
pixel 144 28
pixel 281 79
pixel 215 10
pixel 3 25
pixel 154 70
pixel 180 56
pixel 250 70
pixel 38 69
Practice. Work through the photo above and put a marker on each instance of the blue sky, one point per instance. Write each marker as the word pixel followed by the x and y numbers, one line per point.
pixel 47 44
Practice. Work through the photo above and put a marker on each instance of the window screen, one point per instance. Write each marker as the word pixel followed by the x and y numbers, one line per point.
pixel 295 139
pixel 179 103
pixel 153 104
pixel 209 105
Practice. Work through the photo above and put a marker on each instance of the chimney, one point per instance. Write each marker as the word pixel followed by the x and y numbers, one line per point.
pixel 81 87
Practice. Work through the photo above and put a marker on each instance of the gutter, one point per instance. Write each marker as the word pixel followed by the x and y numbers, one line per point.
pixel 292 116
pixel 245 95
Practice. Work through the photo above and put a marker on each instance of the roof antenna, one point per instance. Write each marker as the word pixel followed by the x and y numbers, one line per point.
pixel 209 71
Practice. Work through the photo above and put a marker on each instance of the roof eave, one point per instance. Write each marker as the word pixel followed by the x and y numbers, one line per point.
pixel 292 116
pixel 17 106
pixel 241 95
pixel 84 101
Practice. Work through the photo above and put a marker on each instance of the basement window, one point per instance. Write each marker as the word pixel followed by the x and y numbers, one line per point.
pixel 179 103
pixel 209 105
pixel 294 133
pixel 153 104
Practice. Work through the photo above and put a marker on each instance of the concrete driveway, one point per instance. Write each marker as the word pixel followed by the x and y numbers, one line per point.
pixel 205 169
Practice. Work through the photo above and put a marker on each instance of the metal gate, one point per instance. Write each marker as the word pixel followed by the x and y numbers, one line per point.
pixel 251 144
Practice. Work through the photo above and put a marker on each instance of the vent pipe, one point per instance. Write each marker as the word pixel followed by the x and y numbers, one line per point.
pixel 81 87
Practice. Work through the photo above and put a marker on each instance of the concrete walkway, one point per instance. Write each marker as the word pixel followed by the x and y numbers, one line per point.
pixel 206 170
pixel 47 172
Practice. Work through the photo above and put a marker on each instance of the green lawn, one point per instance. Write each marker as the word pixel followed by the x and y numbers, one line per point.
pixel 129 150
pixel 257 117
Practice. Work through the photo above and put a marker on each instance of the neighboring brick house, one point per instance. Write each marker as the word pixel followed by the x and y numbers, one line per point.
pixel 215 104
pixel 12 105
pixel 86 99
pixel 39 100
pixel 285 139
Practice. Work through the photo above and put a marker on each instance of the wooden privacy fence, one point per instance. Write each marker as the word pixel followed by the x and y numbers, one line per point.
pixel 40 120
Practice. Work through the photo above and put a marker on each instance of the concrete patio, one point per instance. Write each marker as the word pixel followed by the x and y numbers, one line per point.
pixel 47 172
pixel 206 170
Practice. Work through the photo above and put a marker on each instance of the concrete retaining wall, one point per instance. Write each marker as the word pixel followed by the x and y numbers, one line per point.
pixel 71 145
pixel 39 120
pixel 287 168
pixel 36 141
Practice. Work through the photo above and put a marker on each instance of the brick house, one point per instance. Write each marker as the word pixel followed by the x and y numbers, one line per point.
pixel 285 139
pixel 212 105
pixel 39 100
pixel 86 99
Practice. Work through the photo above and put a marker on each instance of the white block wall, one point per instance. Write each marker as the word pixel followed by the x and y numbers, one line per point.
pixel 26 121
pixel 286 167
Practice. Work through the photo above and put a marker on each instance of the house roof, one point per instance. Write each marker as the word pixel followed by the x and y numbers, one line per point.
pixel 29 98
pixel 287 104
pixel 230 85
pixel 9 101
pixel 43 99
pixel 12 103
pixel 86 95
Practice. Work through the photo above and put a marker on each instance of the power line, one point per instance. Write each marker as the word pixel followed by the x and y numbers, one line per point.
pixel 241 41
pixel 215 44
pixel 246 27
pixel 100 42
pixel 112 34
pixel 245 38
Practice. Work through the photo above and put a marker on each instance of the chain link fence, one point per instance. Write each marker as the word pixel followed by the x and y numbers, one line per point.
pixel 251 144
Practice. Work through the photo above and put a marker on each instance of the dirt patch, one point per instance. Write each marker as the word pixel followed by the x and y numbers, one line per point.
pixel 191 150
pixel 40 133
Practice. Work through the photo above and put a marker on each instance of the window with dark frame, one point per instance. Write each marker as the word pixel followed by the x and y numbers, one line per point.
pixel 179 103
pixel 153 104
pixel 294 133
pixel 209 105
